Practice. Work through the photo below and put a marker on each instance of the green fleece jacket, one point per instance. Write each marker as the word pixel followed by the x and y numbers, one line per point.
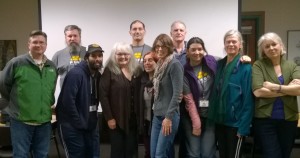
pixel 263 70
pixel 30 91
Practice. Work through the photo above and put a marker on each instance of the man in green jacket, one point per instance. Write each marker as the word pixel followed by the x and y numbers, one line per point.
pixel 28 83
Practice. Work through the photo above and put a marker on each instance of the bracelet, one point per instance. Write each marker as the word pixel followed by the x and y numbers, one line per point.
pixel 279 89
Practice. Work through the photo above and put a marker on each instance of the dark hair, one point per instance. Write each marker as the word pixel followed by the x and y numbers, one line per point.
pixel 72 27
pixel 166 41
pixel 153 56
pixel 38 32
pixel 196 40
pixel 136 21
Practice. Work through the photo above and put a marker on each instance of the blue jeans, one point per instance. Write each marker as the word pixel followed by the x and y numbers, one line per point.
pixel 275 137
pixel 26 138
pixel 79 143
pixel 160 145
pixel 203 146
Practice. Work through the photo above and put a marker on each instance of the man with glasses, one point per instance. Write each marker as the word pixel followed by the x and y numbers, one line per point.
pixel 28 83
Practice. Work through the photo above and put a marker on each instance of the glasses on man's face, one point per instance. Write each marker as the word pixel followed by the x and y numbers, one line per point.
pixel 122 54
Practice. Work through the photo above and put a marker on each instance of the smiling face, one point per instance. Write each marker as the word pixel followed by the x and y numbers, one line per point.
pixel 270 46
pixel 137 31
pixel 272 49
pixel 95 61
pixel 122 58
pixel 161 50
pixel 37 45
pixel 195 53
pixel 149 63
pixel 232 45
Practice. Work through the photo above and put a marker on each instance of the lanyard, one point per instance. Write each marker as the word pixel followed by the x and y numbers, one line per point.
pixel 200 77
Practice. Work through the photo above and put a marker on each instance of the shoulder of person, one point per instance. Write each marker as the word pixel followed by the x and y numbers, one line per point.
pixel 60 51
pixel 147 46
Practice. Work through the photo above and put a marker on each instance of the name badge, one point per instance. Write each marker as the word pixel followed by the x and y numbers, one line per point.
pixel 203 103
pixel 93 108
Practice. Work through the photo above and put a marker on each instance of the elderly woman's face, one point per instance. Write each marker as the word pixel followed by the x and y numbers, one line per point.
pixel 122 58
pixel 232 45
pixel 272 49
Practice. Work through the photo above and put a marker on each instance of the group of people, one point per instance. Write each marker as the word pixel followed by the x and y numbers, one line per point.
pixel 155 92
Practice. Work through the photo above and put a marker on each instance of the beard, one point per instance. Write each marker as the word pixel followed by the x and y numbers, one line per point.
pixel 74 48
pixel 93 66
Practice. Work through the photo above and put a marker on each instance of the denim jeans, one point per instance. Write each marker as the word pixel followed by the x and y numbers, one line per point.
pixel 161 145
pixel 26 138
pixel 79 143
pixel 275 137
pixel 203 146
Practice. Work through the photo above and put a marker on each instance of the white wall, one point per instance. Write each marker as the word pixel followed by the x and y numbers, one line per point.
pixel 107 21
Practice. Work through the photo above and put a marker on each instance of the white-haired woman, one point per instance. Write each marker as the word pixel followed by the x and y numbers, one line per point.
pixel 275 83
pixel 119 87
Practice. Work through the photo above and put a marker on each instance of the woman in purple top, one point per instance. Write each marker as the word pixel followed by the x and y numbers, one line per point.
pixel 199 73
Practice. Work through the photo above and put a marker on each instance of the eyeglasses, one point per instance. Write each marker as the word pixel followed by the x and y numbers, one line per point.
pixel 158 46
pixel 122 54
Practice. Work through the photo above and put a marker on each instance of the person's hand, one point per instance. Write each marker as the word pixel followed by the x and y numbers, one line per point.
pixel 166 126
pixel 271 86
pixel 196 132
pixel 245 59
pixel 112 124
pixel 295 82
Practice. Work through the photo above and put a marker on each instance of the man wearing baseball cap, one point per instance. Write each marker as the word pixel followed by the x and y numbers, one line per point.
pixel 77 104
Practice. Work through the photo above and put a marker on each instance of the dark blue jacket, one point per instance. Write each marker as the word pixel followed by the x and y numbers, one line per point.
pixel 75 99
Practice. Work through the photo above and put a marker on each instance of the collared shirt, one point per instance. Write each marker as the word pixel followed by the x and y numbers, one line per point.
pixel 40 65
pixel 181 56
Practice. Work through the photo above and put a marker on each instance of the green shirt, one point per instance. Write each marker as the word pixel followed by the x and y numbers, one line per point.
pixel 263 70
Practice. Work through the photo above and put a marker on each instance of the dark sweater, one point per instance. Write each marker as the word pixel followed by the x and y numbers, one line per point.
pixel 116 98
pixel 73 106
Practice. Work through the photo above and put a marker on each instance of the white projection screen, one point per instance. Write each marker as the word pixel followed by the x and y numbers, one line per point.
pixel 107 21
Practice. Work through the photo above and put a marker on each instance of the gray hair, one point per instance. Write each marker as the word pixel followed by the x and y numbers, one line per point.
pixel 112 64
pixel 178 22
pixel 237 34
pixel 72 27
pixel 271 36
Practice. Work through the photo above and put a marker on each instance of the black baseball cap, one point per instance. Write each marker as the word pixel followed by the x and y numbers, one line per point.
pixel 94 48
